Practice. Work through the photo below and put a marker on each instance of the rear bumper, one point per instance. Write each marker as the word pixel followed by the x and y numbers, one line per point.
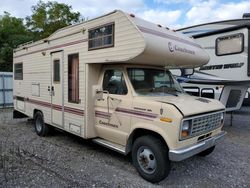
pixel 186 152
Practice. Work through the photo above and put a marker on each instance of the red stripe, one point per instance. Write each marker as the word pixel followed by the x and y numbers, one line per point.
pixel 139 113
pixel 102 114
pixel 142 115
pixel 57 107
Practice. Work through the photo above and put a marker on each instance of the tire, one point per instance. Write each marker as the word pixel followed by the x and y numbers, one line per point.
pixel 41 128
pixel 149 148
pixel 206 152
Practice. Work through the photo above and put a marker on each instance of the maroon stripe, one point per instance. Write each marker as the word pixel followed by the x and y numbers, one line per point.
pixel 39 103
pixel 100 116
pixel 103 114
pixel 54 47
pixel 165 35
pixel 76 113
pixel 127 111
pixel 57 107
pixel 133 112
pixel 69 109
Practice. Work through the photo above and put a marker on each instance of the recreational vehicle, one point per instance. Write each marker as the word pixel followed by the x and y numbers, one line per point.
pixel 106 80
pixel 226 42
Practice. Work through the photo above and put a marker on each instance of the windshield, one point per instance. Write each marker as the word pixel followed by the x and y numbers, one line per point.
pixel 148 81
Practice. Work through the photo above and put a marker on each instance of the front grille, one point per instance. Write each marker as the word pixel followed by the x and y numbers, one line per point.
pixel 205 124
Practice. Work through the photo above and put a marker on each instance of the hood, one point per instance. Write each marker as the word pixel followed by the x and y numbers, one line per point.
pixel 191 105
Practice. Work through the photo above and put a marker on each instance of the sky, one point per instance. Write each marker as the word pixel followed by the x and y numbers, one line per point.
pixel 169 13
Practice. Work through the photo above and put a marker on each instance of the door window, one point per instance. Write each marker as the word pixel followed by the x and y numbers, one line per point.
pixel 56 71
pixel 73 78
pixel 114 82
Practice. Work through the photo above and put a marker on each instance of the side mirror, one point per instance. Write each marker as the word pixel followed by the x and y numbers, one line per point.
pixel 187 72
pixel 97 92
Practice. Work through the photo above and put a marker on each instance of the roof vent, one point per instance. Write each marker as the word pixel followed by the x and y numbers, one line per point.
pixel 246 15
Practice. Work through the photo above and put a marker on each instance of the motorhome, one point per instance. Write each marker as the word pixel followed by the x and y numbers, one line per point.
pixel 106 80
pixel 226 42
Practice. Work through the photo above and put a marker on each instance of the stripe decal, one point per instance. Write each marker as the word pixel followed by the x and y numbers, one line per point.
pixel 137 113
pixel 57 107
pixel 167 36
pixel 100 114
pixel 124 111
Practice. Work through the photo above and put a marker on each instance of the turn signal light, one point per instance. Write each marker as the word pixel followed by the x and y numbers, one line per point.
pixel 168 120
pixel 184 134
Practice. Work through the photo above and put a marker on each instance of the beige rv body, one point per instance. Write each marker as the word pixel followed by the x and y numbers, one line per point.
pixel 114 120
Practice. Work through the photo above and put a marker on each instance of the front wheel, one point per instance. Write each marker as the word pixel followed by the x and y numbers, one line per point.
pixel 150 158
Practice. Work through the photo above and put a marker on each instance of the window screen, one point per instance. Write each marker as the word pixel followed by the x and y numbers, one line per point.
pixel 230 44
pixel 56 71
pixel 73 78
pixel 18 70
pixel 101 37
pixel 114 82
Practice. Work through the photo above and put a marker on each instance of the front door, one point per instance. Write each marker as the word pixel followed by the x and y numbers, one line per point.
pixel 111 112
pixel 57 88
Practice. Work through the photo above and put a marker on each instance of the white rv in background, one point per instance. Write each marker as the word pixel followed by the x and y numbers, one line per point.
pixel 227 43
pixel 106 80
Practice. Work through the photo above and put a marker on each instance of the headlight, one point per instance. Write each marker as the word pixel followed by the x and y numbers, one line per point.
pixel 185 129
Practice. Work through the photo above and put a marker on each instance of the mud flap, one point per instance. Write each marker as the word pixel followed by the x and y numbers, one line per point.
pixel 232 97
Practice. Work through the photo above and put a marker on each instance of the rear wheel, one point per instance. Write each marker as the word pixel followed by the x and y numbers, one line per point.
pixel 41 128
pixel 206 152
pixel 150 158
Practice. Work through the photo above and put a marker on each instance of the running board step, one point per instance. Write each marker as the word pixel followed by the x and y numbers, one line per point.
pixel 116 147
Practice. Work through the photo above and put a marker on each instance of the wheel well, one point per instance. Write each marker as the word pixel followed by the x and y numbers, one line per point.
pixel 35 111
pixel 142 132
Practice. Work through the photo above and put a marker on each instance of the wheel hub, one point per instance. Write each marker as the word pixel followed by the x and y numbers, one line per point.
pixel 146 160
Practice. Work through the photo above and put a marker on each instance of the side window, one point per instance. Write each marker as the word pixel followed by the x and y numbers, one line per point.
pixel 114 82
pixel 101 37
pixel 18 70
pixel 73 78
pixel 56 65
pixel 230 44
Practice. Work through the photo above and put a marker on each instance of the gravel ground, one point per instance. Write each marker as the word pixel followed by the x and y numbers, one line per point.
pixel 64 160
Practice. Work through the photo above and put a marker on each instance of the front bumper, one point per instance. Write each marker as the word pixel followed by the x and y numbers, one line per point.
pixel 186 152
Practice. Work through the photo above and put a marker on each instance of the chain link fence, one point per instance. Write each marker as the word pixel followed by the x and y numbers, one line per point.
pixel 6 90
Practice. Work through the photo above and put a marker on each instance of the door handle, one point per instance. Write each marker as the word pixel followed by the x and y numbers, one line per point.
pixel 48 88
pixel 52 91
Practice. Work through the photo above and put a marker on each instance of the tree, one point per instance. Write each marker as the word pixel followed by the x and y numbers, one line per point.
pixel 48 17
pixel 12 33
